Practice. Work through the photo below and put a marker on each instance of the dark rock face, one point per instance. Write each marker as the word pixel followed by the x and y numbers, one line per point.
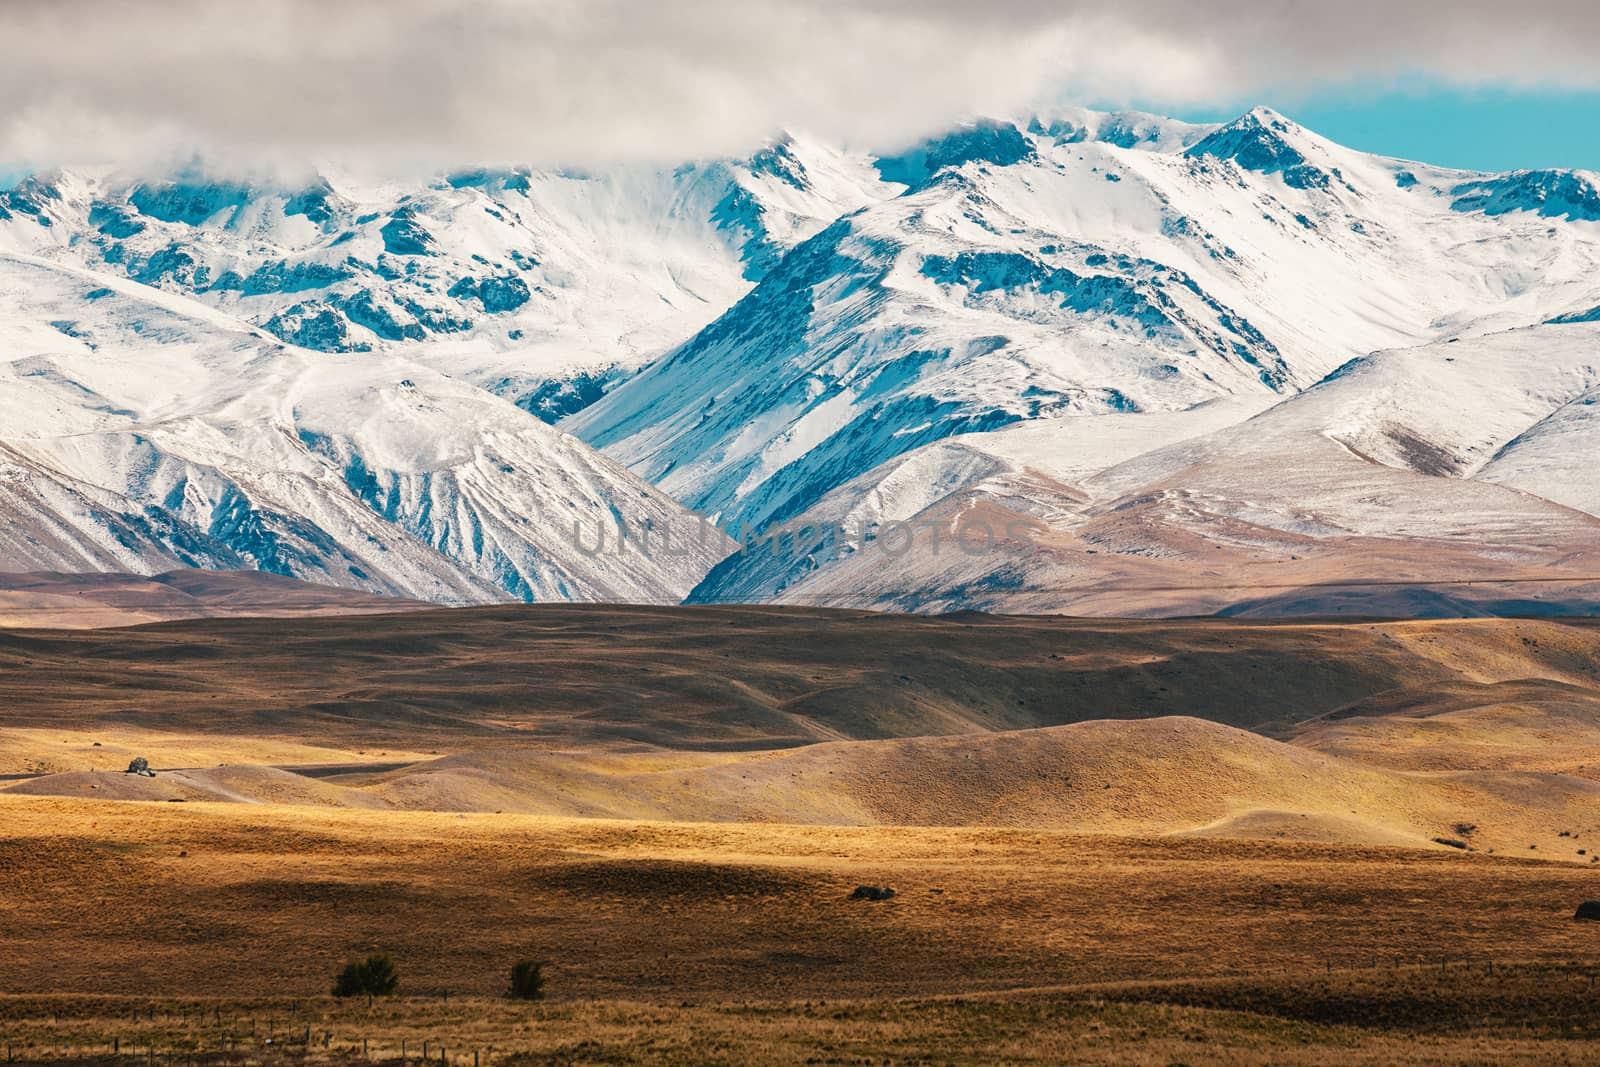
pixel 188 202
pixel 115 221
pixel 317 202
pixel 874 892
pixel 513 180
pixel 1000 144
pixel 779 161
pixel 497 293
pixel 742 214
pixel 1261 144
pixel 313 324
pixel 1142 294
pixel 381 317
pixel 172 264
pixel 554 399
pixel 1552 194
pixel 282 277
pixel 1592 315
pixel 405 235
pixel 1589 911
pixel 31 196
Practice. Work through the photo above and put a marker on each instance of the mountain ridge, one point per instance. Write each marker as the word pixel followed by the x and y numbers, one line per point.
pixel 997 321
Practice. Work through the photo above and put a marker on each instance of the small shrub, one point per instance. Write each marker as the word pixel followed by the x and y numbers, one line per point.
pixel 872 892
pixel 527 981
pixel 373 977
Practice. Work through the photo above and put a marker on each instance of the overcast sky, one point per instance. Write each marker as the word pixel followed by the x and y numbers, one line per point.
pixel 584 82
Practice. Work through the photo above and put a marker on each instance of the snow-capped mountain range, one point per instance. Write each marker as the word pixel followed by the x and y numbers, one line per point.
pixel 1138 365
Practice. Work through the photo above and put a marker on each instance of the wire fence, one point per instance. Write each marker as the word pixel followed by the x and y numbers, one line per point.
pixel 193 1035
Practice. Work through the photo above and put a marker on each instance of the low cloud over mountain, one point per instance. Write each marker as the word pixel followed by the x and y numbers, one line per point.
pixel 559 82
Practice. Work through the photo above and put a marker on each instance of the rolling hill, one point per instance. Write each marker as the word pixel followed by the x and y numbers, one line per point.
pixel 1477 732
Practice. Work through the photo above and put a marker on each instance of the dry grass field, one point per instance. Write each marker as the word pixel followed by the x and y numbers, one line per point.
pixel 1133 842
pixel 1294 1021
pixel 739 943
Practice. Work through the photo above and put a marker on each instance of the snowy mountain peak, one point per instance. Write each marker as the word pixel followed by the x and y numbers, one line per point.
pixel 1051 273
pixel 35 198
pixel 1267 116
pixel 781 160
pixel 1263 141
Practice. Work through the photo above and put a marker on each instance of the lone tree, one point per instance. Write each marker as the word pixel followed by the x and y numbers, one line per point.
pixel 374 976
pixel 527 981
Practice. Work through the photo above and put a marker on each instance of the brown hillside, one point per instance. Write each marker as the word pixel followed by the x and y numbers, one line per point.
pixel 739 677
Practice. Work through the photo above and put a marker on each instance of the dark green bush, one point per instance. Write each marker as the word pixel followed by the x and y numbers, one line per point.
pixel 373 977
pixel 527 981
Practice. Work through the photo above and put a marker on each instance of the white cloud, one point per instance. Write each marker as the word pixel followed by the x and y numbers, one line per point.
pixel 582 82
